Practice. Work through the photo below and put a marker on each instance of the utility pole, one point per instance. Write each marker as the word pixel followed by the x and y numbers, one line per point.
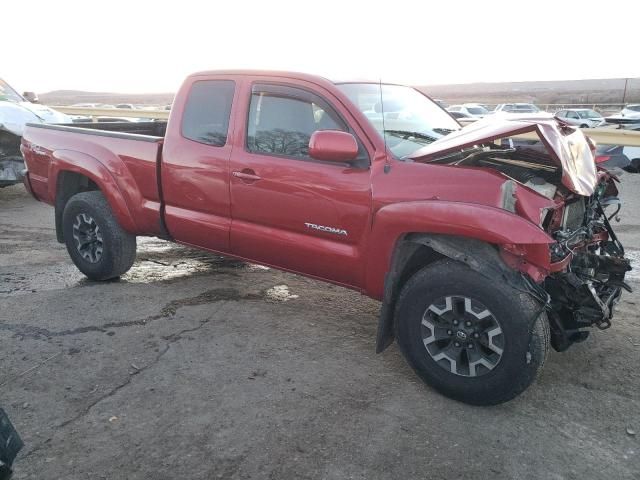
pixel 624 94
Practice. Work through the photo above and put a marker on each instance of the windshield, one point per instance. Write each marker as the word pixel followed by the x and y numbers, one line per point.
pixel 411 120
pixel 477 110
pixel 588 114
pixel 635 108
pixel 8 94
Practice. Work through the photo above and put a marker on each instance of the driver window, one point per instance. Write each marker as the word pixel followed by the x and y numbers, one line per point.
pixel 282 124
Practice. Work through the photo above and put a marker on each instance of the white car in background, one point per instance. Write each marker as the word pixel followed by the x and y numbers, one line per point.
pixel 473 109
pixel 581 117
pixel 628 118
pixel 631 111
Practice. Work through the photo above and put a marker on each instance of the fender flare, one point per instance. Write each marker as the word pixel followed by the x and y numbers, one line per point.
pixel 467 234
pixel 92 168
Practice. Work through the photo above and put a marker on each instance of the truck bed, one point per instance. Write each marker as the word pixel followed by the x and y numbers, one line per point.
pixel 126 154
pixel 117 129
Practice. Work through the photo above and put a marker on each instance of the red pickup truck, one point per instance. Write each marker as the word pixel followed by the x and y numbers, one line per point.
pixel 485 244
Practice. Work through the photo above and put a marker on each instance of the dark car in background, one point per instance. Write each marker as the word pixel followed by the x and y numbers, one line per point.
pixel 609 157
pixel 612 157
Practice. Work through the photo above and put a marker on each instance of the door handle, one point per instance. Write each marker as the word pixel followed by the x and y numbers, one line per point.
pixel 247 175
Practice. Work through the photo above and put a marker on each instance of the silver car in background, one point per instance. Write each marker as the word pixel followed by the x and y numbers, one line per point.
pixel 472 109
pixel 516 108
pixel 581 117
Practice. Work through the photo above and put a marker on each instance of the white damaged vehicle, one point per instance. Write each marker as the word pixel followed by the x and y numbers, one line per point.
pixel 15 113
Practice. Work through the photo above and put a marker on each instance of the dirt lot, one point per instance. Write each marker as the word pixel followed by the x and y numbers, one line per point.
pixel 193 366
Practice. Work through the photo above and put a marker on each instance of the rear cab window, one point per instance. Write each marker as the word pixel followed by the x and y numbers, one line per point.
pixel 207 111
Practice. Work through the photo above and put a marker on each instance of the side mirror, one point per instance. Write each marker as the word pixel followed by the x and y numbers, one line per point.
pixel 333 146
pixel 31 97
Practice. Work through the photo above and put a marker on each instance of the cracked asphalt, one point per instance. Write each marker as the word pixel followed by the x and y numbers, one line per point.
pixel 200 367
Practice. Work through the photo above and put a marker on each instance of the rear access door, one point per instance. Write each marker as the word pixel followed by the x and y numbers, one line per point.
pixel 195 163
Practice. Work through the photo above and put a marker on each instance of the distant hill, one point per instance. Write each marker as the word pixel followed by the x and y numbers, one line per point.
pixel 601 91
pixel 69 97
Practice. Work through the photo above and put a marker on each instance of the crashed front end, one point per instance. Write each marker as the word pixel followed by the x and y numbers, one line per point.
pixel 11 161
pixel 551 179
pixel 587 267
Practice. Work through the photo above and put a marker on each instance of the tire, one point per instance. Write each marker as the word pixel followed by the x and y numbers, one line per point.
pixel 100 249
pixel 522 334
pixel 584 125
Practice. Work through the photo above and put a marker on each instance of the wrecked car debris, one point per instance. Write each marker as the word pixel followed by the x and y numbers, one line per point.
pixel 15 112
pixel 11 163
pixel 10 445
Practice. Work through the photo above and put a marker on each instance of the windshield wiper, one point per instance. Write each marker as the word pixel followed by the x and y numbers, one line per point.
pixel 443 131
pixel 407 133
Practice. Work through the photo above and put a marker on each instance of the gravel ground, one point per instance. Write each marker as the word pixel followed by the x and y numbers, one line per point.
pixel 195 366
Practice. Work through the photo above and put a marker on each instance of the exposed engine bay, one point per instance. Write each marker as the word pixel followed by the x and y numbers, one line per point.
pixel 587 262
pixel 585 293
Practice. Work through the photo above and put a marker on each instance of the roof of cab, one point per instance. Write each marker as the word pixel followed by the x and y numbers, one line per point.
pixel 268 73
pixel 287 74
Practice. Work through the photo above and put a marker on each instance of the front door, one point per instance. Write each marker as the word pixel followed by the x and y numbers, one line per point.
pixel 289 210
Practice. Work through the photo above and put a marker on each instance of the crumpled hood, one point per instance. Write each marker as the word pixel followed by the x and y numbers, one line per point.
pixel 14 116
pixel 567 146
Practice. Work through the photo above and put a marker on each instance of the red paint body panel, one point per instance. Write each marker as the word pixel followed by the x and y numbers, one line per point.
pixel 485 223
pixel 195 180
pixel 319 218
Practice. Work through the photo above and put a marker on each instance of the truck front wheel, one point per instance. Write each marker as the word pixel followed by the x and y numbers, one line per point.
pixel 473 340
pixel 97 244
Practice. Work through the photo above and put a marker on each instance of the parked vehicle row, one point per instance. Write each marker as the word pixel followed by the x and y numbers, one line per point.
pixel 582 117
pixel 475 111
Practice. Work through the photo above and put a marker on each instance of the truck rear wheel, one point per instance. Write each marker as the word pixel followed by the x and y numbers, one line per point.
pixel 97 244
pixel 473 340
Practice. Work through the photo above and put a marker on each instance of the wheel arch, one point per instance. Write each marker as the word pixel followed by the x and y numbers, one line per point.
pixel 414 251
pixel 75 172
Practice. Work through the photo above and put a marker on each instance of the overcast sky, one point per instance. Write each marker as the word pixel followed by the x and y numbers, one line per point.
pixel 149 46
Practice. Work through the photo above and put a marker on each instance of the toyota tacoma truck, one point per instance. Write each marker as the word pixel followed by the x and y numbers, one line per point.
pixel 484 244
